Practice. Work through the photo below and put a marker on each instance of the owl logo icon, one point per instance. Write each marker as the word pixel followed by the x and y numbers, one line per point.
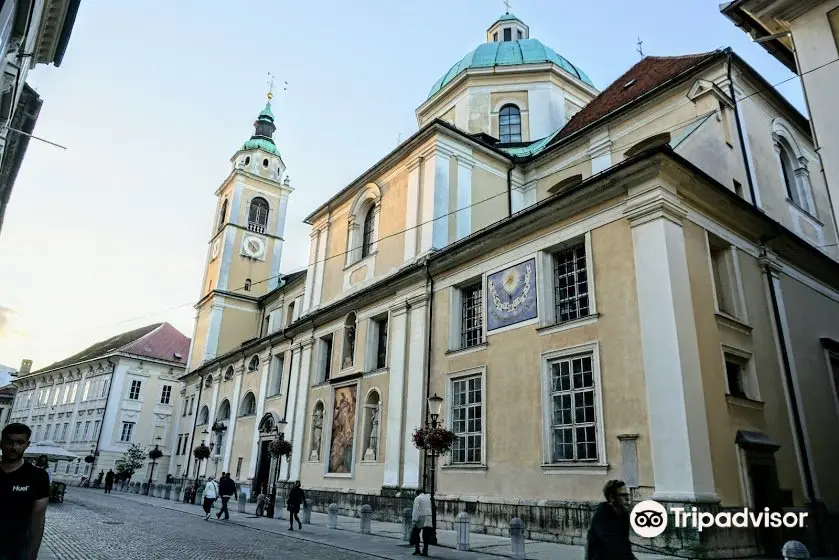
pixel 648 519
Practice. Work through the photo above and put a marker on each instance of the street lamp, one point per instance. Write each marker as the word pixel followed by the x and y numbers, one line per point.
pixel 271 504
pixel 205 433
pixel 435 405
pixel 154 455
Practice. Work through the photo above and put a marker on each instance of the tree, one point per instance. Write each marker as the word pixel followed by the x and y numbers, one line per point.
pixel 132 460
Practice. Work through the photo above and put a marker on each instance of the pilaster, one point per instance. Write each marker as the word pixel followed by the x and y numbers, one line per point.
pixel 675 395
pixel 212 417
pixel 600 152
pixel 260 412
pixel 412 208
pixel 463 218
pixel 415 388
pixel 231 429
pixel 298 407
pixel 393 431
pixel 314 240
pixel 434 229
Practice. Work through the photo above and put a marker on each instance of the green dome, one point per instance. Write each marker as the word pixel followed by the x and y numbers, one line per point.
pixel 261 144
pixel 508 53
pixel 263 136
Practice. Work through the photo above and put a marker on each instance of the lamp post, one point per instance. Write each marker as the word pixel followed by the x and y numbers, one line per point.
pixel 271 504
pixel 198 466
pixel 154 455
pixel 435 405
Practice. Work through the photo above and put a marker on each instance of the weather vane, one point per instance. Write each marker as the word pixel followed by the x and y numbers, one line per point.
pixel 270 83
pixel 640 48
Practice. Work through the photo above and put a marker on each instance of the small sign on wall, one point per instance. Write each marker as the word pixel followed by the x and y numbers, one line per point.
pixel 511 295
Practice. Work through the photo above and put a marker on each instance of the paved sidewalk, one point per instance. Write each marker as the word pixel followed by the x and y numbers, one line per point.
pixel 385 539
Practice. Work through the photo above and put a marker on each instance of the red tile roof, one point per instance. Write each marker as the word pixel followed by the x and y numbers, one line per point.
pixel 648 74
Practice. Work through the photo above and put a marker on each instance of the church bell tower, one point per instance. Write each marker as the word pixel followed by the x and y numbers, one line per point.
pixel 246 243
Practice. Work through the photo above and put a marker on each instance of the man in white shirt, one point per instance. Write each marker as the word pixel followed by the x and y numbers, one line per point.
pixel 422 517
pixel 210 496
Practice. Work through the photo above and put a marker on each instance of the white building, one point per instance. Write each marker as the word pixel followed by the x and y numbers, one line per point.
pixel 804 36
pixel 117 392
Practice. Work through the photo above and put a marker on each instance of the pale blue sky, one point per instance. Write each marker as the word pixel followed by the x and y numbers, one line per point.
pixel 153 98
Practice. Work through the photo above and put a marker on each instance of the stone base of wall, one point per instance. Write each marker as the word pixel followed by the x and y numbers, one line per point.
pixel 545 520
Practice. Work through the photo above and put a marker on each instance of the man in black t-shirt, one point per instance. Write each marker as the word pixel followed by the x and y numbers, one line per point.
pixel 24 494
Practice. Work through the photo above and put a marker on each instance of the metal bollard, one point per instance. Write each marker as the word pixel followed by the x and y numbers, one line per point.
pixel 462 524
pixel 517 538
pixel 332 519
pixel 243 502
pixel 407 524
pixel 306 514
pixel 366 518
pixel 794 550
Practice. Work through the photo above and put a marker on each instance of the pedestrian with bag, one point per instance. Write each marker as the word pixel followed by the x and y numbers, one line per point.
pixel 295 498
pixel 210 496
pixel 423 523
pixel 109 481
pixel 608 535
pixel 227 488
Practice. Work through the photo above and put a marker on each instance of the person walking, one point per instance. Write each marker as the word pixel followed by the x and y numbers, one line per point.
pixel 109 481
pixel 422 518
pixel 295 498
pixel 608 535
pixel 24 495
pixel 210 496
pixel 227 488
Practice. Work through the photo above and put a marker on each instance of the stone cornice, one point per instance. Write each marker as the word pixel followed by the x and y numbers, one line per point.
pixel 654 204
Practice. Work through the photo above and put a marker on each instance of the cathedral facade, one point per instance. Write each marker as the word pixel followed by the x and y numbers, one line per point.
pixel 637 283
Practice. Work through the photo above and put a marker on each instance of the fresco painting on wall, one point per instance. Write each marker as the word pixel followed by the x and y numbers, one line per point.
pixel 512 295
pixel 343 430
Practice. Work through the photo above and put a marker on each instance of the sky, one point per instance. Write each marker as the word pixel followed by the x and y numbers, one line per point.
pixel 153 99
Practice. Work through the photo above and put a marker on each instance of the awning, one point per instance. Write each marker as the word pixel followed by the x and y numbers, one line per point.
pixel 756 440
pixel 51 450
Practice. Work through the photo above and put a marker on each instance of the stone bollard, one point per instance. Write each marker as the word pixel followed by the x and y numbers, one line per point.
pixel 366 519
pixel 177 493
pixel 332 519
pixel 462 526
pixel 407 524
pixel 517 538
pixel 136 487
pixel 151 488
pixel 306 514
pixel 144 488
pixel 168 492
pixel 243 502
pixel 794 550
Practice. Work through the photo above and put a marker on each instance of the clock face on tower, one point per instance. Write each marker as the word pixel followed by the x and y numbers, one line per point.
pixel 253 247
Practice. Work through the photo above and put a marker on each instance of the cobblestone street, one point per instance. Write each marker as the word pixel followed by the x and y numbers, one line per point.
pixel 94 526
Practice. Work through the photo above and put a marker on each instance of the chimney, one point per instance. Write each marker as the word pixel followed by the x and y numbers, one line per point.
pixel 25 367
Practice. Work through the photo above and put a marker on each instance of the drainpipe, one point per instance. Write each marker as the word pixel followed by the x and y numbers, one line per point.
pixel 430 304
pixel 509 197
pixel 102 425
pixel 744 152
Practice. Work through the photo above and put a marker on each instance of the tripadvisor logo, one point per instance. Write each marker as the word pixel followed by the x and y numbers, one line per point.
pixel 649 518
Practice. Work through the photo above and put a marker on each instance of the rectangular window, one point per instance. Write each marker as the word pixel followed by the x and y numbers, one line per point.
pixel 381 342
pixel 290 314
pixel 325 359
pixel 178 448
pixel 166 394
pixel 738 188
pixel 495 37
pixel 570 284
pixel 740 380
pixel 186 403
pixel 508 34
pixel 45 397
pixel 86 391
pixel 519 34
pixel 96 425
pixel 276 379
pixel 471 316
pixel 191 404
pixel 239 467
pixel 134 392
pixel 105 385
pixel 467 419
pixel 77 431
pixel 127 431
pixel 573 421
pixel 86 430
pixel 56 396
pixel 64 431
pixel 67 468
pixel 73 390
pixel 36 433
pixel 726 277
pixel 47 432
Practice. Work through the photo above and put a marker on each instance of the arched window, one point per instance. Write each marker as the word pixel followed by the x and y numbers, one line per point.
pixel 248 407
pixel 224 410
pixel 509 124
pixel 204 415
pixel 348 354
pixel 208 382
pixel 317 432
pixel 258 215
pixel 788 172
pixel 222 217
pixel 247 284
pixel 370 435
pixel 367 236
pixel 253 365
pixel 228 373
pixel 793 162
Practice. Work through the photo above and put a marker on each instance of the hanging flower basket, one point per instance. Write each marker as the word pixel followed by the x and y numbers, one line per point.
pixel 89 459
pixel 280 448
pixel 438 440
pixel 201 452
pixel 155 454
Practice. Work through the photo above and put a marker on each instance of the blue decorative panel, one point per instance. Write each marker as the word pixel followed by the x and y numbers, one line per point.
pixel 511 295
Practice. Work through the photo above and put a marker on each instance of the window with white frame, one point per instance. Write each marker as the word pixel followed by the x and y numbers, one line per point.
pixel 166 394
pixel 324 359
pixel 248 406
pixel 570 283
pixel 574 433
pixel 368 233
pixel 204 415
pixel 127 431
pixel 86 432
pixel 740 378
pixel 377 343
pixel 134 392
pixel 77 431
pixel 105 385
pixel 96 426
pixel 468 316
pixel 275 380
pixel 56 396
pixel 86 392
pixel 467 419
pixel 726 276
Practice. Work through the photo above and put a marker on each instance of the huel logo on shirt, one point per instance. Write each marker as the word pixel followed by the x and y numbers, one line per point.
pixel 20 488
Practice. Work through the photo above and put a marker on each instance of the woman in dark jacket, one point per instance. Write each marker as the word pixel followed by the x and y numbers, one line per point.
pixel 295 498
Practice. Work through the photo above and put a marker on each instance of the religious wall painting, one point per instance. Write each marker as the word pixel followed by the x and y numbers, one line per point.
pixel 511 295
pixel 343 430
